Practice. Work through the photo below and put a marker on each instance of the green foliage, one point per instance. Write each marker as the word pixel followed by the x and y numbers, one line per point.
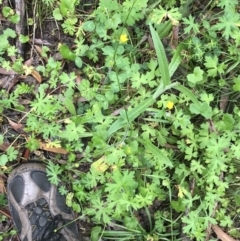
pixel 228 24
pixel 3 200
pixel 9 155
pixel 196 77
pixel 10 14
pixel 24 39
pixel 191 25
pixel 23 89
pixel 67 53
pixel 8 33
pixel 48 2
pixel 53 172
pixel 6 234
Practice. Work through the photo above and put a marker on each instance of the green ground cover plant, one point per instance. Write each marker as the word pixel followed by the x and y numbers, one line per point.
pixel 148 115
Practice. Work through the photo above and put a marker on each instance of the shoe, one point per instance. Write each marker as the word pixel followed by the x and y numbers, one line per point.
pixel 37 208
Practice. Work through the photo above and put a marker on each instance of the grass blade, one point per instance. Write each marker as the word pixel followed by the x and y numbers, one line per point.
pixel 138 110
pixel 161 56
pixel 163 159
pixel 188 93
pixel 176 60
pixel 132 114
pixel 161 89
pixel 70 107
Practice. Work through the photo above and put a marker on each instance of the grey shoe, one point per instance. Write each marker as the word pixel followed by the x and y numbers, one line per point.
pixel 37 208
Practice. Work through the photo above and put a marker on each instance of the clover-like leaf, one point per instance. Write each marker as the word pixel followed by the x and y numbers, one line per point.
pixel 196 77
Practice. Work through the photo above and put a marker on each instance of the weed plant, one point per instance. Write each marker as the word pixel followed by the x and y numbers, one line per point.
pixel 156 122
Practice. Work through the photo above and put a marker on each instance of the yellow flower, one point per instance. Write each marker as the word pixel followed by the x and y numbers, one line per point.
pixel 123 38
pixel 170 105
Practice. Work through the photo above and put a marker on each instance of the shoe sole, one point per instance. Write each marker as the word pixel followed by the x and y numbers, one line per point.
pixel 30 191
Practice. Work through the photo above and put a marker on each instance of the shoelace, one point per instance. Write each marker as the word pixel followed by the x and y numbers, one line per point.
pixel 49 234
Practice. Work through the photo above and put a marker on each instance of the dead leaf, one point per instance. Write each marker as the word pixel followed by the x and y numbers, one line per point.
pixel 224 100
pixel 28 69
pixel 4 146
pixel 45 147
pixel 100 165
pixel 78 79
pixel 13 58
pixel 57 56
pixel 25 154
pixel 212 127
pixel 42 42
pixel 39 49
pixel 4 82
pixel 221 234
pixel 6 72
pixel 18 127
pixel 117 112
pixel 150 42
pixel 28 62
pixel 81 99
pixel 3 18
pixel 24 102
pixel 36 75
pixel 174 39
pixel 2 186
pixel 13 80
pixel 6 213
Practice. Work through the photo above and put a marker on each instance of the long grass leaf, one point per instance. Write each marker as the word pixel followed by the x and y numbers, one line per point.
pixel 163 159
pixel 176 60
pixel 138 110
pixel 131 114
pixel 70 107
pixel 161 56
pixel 161 89
pixel 164 29
pixel 188 93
